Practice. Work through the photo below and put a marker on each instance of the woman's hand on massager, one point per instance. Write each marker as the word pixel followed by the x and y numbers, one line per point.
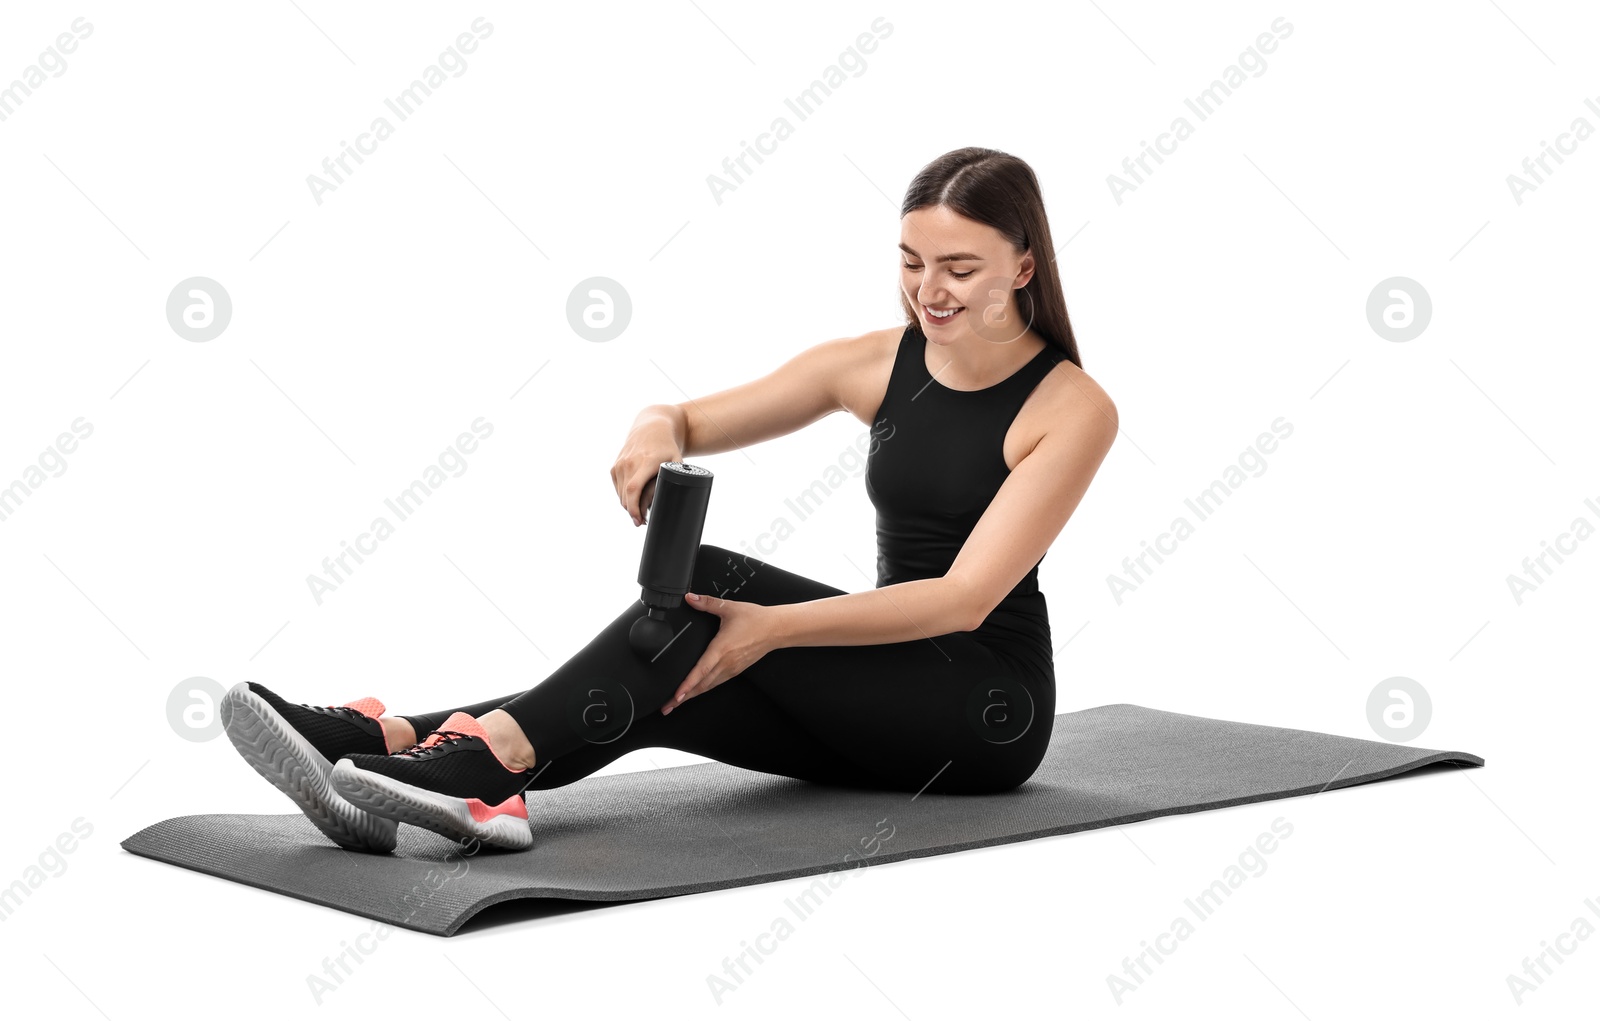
pixel 639 463
pixel 744 636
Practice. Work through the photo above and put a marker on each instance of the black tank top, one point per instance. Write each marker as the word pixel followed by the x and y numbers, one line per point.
pixel 936 462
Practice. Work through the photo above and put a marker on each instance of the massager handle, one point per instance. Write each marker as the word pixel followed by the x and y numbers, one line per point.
pixel 676 520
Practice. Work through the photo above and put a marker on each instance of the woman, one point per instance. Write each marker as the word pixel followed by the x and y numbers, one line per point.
pixel 987 434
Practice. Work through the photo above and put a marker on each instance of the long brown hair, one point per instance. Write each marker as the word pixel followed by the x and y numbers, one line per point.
pixel 1000 190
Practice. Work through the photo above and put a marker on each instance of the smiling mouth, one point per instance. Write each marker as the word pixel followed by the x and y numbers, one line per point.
pixel 938 316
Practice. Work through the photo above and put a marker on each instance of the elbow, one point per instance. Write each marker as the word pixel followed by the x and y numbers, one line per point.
pixel 968 608
pixel 975 610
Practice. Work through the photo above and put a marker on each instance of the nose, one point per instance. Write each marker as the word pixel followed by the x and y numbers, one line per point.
pixel 930 294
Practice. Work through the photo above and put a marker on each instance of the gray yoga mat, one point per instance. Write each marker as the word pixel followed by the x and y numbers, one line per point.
pixel 711 826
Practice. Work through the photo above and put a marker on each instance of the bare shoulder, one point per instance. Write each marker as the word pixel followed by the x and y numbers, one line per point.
pixel 863 365
pixel 1070 403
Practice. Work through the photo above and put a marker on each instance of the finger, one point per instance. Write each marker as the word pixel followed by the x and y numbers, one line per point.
pixel 678 697
pixel 711 604
pixel 693 685
pixel 697 686
pixel 691 691
pixel 638 503
pixel 635 503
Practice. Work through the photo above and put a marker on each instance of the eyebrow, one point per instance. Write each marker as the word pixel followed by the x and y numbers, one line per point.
pixel 953 257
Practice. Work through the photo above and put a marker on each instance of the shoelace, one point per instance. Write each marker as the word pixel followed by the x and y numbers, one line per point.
pixel 338 710
pixel 435 739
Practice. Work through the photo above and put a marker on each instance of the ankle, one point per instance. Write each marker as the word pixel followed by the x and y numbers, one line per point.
pixel 510 744
pixel 398 733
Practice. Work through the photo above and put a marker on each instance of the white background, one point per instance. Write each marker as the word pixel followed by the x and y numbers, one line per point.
pixel 368 331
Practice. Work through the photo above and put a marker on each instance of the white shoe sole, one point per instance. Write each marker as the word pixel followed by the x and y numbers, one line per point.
pixel 289 762
pixel 444 815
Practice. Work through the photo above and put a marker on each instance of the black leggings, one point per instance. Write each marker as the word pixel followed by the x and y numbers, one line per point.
pixel 944 714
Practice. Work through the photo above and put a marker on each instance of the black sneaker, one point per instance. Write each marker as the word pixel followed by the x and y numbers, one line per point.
pixel 451 782
pixel 294 748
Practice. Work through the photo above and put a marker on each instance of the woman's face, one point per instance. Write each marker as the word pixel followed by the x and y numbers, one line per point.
pixel 950 264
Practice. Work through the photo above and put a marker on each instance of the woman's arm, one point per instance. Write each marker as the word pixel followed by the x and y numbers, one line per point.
pixel 910 610
pixel 807 387
pixel 810 385
pixel 1019 525
pixel 667 417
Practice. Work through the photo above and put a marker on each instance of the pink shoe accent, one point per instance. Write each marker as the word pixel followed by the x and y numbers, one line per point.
pixel 512 806
pixel 366 707
pixel 461 723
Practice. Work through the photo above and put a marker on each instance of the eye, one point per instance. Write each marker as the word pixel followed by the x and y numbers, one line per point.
pixel 963 276
pixel 908 265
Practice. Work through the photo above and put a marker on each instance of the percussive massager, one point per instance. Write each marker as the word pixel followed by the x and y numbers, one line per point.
pixel 671 545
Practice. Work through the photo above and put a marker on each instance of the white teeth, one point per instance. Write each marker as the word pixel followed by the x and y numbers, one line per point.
pixel 942 315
